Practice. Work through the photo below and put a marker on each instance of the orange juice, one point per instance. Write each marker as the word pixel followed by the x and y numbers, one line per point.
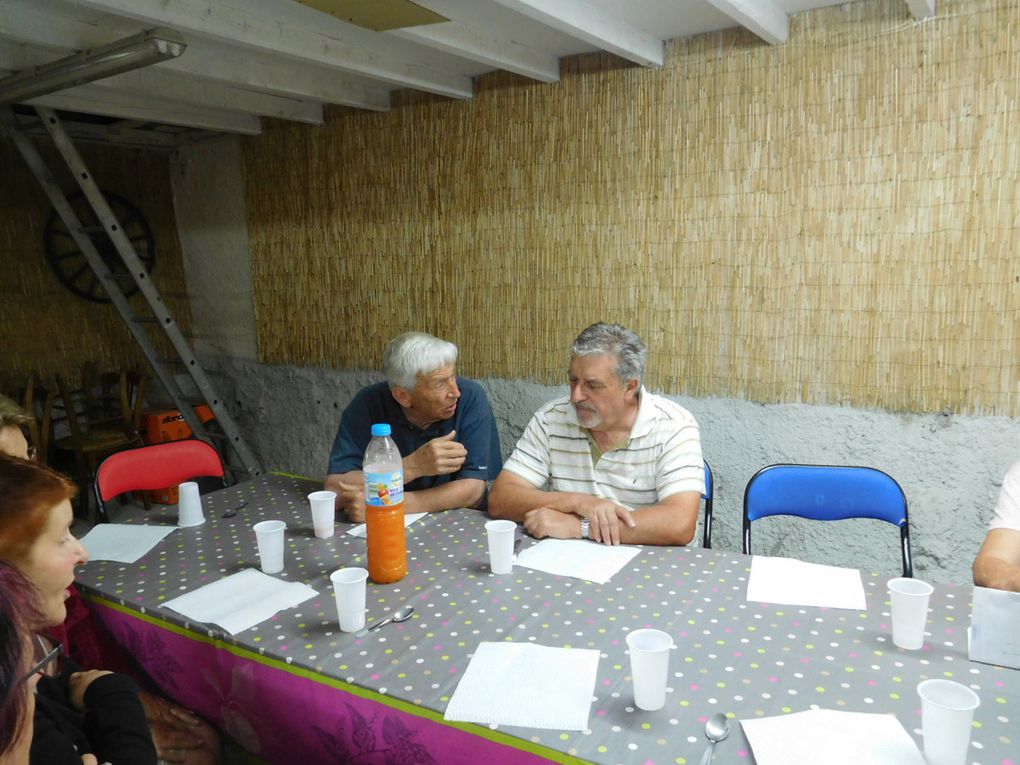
pixel 387 543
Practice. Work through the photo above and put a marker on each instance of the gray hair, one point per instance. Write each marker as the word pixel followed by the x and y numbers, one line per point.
pixel 631 354
pixel 12 414
pixel 415 353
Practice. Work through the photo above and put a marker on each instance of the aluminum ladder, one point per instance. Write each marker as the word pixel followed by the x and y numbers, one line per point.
pixel 142 325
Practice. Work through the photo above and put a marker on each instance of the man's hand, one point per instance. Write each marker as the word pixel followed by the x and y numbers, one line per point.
pixel 351 499
pixel 605 518
pixel 542 522
pixel 440 456
pixel 178 734
pixel 78 683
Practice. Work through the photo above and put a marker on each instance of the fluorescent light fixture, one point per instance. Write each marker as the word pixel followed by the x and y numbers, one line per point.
pixel 124 55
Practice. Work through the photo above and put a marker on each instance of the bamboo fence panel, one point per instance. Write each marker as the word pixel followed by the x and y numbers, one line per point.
pixel 46 329
pixel 834 220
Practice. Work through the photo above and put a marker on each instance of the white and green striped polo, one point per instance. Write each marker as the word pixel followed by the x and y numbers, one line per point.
pixel 662 456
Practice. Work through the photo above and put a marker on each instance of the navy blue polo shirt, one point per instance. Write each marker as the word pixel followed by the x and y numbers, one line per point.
pixel 473 421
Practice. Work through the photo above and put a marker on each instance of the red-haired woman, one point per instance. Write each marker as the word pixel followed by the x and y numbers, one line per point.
pixel 76 712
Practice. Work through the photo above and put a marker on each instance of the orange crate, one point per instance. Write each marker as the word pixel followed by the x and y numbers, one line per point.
pixel 168 425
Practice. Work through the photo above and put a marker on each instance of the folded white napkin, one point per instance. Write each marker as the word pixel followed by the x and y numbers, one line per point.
pixel 835 738
pixel 796 583
pixel 525 684
pixel 360 531
pixel 240 601
pixel 123 542
pixel 578 558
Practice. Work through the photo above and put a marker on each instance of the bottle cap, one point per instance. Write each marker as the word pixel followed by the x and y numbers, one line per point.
pixel 381 429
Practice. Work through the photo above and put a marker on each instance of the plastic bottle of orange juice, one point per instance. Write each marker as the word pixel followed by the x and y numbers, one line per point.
pixel 384 508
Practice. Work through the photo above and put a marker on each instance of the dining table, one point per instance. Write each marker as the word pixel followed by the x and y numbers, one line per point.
pixel 296 689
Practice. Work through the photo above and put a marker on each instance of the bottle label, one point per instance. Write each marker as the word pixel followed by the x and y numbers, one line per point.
pixel 384 488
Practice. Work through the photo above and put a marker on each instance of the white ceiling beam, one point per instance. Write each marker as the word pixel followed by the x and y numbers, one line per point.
pixel 596 27
pixel 921 9
pixel 286 32
pixel 463 41
pixel 91 99
pixel 762 17
pixel 15 56
pixel 225 65
pixel 122 134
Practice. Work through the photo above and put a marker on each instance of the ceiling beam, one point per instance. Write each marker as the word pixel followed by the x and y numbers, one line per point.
pixel 226 65
pixel 17 56
pixel 596 27
pixel 122 134
pixel 763 17
pixel 469 43
pixel 921 9
pixel 344 47
pixel 91 99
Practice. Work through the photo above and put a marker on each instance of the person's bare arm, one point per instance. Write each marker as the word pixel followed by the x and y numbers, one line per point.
pixel 464 492
pixel 997 564
pixel 672 522
pixel 350 495
pixel 512 497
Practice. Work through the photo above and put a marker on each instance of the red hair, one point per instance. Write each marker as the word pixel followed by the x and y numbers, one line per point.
pixel 28 491
pixel 17 610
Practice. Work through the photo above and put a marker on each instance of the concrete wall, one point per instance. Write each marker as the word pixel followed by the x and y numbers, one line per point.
pixel 949 467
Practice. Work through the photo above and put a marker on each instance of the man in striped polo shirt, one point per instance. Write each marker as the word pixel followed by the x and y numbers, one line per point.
pixel 611 462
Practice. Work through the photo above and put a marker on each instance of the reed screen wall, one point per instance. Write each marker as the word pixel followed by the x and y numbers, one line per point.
pixel 832 220
pixel 45 329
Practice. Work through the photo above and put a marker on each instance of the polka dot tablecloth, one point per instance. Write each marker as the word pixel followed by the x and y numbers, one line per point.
pixel 743 659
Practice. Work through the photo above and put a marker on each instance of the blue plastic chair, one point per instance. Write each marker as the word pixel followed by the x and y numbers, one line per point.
pixel 827 493
pixel 706 535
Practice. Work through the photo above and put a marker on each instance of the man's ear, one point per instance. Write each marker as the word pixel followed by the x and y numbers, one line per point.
pixel 633 386
pixel 402 396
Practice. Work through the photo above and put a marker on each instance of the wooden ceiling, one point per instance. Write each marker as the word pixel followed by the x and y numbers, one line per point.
pixel 248 59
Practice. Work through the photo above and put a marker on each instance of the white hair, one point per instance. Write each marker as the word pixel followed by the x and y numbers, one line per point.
pixel 631 354
pixel 415 353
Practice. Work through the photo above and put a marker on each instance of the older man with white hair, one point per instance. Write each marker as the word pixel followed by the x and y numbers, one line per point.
pixel 442 425
pixel 610 462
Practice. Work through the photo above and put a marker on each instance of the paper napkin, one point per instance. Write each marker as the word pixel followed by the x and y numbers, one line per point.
pixel 577 558
pixel 359 530
pixel 526 684
pixel 123 542
pixel 240 601
pixel 796 583
pixel 835 738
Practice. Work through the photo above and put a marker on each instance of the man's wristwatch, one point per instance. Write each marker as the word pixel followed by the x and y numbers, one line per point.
pixel 585 525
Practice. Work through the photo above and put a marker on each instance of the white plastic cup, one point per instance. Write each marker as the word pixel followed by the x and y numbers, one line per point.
pixel 649 667
pixel 323 505
pixel 947 713
pixel 349 585
pixel 189 505
pixel 269 535
pixel 908 599
pixel 501 545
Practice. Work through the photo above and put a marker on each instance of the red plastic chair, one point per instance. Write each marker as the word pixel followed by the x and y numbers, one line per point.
pixel 154 467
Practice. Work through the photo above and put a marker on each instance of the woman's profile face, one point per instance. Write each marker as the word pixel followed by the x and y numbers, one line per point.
pixel 51 561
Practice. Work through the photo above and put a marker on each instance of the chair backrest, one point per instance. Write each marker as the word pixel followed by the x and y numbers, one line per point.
pixel 706 526
pixel 827 493
pixel 155 467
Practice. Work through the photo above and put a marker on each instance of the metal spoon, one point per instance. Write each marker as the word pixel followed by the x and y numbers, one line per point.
pixel 400 615
pixel 233 511
pixel 716 729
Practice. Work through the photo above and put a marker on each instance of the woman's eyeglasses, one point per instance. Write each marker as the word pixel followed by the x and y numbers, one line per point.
pixel 40 665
